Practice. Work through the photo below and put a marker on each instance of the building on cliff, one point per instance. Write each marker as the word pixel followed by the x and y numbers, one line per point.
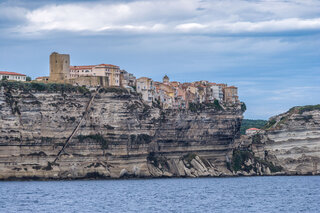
pixel 145 87
pixel 111 72
pixel 231 94
pixel 44 79
pixel 12 76
pixel 252 131
pixel 59 67
pixel 127 79
pixel 168 94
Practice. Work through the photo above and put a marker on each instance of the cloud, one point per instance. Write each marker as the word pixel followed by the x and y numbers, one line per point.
pixel 194 17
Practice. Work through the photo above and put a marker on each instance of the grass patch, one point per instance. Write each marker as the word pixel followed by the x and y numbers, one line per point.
pixel 118 90
pixel 308 108
pixel 270 124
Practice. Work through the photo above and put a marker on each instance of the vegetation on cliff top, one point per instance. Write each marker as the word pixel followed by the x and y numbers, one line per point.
pixel 35 86
pixel 198 107
pixel 117 90
pixel 248 123
pixel 298 112
pixel 308 108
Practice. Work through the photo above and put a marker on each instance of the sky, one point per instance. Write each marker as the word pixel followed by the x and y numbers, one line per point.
pixel 269 49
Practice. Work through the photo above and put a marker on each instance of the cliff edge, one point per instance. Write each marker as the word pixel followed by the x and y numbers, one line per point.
pixel 65 132
pixel 290 143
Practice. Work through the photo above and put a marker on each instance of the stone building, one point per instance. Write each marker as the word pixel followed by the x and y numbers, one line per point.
pixel 165 79
pixel 230 94
pixel 44 79
pixel 127 79
pixel 112 72
pixel 12 76
pixel 146 88
pixel 78 71
pixel 59 67
pixel 90 81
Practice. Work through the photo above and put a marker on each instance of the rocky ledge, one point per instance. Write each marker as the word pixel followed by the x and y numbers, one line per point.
pixel 63 132
pixel 289 145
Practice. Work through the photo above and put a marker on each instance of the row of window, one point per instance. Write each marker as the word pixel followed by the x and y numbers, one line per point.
pixel 12 77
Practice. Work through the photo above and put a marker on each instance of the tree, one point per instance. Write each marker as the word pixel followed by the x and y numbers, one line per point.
pixel 28 78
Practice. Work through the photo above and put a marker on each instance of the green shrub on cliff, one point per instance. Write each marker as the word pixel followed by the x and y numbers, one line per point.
pixel 117 90
pixel 239 157
pixel 243 107
pixel 35 86
pixel 198 107
pixel 270 124
pixel 308 108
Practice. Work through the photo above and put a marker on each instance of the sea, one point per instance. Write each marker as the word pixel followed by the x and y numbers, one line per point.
pixel 240 194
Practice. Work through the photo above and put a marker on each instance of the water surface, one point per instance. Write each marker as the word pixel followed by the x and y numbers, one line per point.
pixel 247 194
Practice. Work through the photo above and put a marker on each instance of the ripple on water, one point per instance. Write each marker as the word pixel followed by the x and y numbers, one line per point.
pixel 249 194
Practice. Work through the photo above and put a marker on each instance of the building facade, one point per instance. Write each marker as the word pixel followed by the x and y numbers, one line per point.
pixel 112 72
pixel 127 79
pixel 231 94
pixel 12 76
pixel 146 88
pixel 44 79
pixel 59 67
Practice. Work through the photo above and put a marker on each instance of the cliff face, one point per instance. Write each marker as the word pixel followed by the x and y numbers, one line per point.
pixel 113 134
pixel 291 142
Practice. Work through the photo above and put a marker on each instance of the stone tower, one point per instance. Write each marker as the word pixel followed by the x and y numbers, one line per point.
pixel 165 79
pixel 59 67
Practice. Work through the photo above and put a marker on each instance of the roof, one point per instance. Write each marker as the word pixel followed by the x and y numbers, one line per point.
pixel 108 65
pixel 82 67
pixel 253 129
pixel 144 78
pixel 10 73
pixel 42 77
pixel 92 66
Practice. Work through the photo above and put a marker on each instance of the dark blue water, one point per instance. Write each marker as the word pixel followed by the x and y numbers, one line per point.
pixel 248 194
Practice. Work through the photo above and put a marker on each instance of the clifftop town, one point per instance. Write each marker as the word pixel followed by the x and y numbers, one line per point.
pixel 167 94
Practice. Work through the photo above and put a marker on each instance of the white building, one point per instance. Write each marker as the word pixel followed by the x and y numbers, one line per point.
pixel 12 76
pixel 217 92
pixel 146 88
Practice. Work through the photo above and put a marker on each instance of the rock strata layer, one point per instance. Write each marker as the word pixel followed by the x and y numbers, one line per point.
pixel 290 145
pixel 111 134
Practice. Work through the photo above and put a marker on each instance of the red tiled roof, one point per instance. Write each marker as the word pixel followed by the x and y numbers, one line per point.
pixel 91 66
pixel 108 65
pixel 10 73
pixel 42 77
pixel 253 129
pixel 82 67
